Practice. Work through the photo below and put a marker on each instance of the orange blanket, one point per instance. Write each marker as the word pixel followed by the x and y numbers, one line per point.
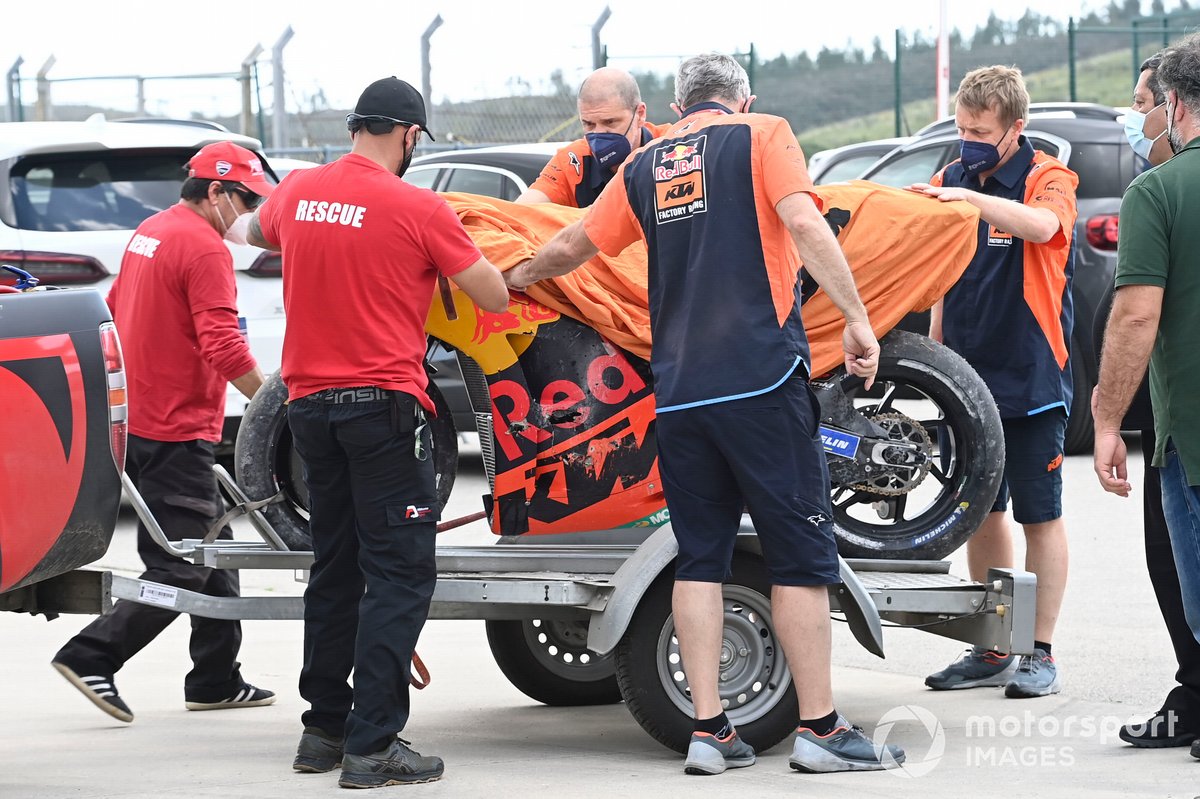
pixel 905 250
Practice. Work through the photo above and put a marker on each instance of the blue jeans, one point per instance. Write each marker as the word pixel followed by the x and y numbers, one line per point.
pixel 1181 506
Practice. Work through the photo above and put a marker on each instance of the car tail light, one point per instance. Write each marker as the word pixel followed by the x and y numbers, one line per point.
pixel 56 268
pixel 269 264
pixel 118 403
pixel 1102 231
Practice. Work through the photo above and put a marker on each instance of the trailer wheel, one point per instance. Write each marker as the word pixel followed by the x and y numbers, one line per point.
pixel 549 661
pixel 756 687
pixel 267 462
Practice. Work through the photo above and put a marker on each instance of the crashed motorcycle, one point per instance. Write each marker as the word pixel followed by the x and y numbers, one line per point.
pixel 564 400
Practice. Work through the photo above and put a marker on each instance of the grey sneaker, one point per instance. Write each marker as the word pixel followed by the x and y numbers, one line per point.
pixel 846 748
pixel 1196 748
pixel 396 765
pixel 1036 676
pixel 975 669
pixel 318 752
pixel 708 754
pixel 100 690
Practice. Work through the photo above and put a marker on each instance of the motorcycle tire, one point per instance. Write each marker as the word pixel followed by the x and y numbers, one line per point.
pixel 268 465
pixel 921 381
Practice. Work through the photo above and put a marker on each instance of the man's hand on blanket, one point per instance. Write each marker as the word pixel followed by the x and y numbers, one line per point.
pixel 517 277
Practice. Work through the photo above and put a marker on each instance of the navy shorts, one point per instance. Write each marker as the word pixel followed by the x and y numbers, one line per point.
pixel 1033 456
pixel 759 453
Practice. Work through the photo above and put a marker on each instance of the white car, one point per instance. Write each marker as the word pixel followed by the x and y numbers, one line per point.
pixel 71 194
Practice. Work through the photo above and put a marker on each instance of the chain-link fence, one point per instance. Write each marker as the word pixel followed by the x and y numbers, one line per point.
pixel 832 97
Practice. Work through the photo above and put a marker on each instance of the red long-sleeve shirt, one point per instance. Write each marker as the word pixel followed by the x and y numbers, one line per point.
pixel 175 307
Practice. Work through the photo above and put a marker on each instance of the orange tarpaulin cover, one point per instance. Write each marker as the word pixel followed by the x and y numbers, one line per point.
pixel 904 249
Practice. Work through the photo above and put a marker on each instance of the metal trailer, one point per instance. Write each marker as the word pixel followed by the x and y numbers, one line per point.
pixel 587 610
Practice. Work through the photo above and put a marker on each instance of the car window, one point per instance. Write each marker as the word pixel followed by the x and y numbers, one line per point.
pixel 422 178
pixel 914 166
pixel 476 181
pixel 1104 170
pixel 94 191
pixel 847 169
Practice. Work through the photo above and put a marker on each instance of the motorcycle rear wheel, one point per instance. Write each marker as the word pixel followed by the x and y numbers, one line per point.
pixel 922 381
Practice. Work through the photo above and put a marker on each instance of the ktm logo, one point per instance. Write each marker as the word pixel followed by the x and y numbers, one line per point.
pixel 680 191
pixel 1054 464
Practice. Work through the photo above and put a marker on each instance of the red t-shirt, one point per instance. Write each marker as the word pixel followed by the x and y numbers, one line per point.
pixel 361 253
pixel 175 307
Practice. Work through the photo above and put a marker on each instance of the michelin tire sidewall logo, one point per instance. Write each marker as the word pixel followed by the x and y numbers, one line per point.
pixel 915 764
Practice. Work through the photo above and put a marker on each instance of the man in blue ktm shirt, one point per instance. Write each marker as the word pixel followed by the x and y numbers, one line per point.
pixel 1010 316
pixel 726 207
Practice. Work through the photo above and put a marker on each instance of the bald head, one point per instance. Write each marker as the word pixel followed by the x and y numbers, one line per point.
pixel 610 85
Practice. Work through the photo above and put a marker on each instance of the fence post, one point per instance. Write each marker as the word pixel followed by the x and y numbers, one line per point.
pixel 426 85
pixel 1166 32
pixel 599 53
pixel 15 112
pixel 279 117
pixel 750 64
pixel 44 104
pixel 1133 26
pixel 1071 57
pixel 247 90
pixel 896 79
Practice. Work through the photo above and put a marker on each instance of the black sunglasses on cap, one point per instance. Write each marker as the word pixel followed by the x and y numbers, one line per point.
pixel 249 198
pixel 375 124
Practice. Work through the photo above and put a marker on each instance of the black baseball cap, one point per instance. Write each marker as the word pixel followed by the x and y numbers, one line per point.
pixel 394 100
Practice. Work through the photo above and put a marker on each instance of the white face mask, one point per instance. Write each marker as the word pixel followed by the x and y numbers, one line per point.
pixel 237 231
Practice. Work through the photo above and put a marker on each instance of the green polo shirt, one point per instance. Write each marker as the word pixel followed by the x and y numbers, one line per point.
pixel 1159 245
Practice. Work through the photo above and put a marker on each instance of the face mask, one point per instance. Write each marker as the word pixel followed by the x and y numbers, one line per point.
pixel 1135 122
pixel 404 164
pixel 979 156
pixel 236 232
pixel 610 149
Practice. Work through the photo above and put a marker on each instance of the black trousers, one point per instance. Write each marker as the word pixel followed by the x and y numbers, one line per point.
pixel 177 482
pixel 1184 698
pixel 373 517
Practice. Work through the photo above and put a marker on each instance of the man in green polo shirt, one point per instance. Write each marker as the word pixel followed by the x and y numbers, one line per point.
pixel 1156 318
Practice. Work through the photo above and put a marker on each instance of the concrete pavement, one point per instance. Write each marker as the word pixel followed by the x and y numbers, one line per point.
pixel 498 743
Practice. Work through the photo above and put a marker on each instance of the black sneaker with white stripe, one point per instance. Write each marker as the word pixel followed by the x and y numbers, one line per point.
pixel 100 689
pixel 246 696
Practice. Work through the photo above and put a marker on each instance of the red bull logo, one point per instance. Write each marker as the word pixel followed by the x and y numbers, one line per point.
pixel 678 153
pixel 489 324
pixel 679 159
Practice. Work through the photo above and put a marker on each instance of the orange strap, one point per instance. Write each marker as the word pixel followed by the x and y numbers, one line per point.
pixel 421 671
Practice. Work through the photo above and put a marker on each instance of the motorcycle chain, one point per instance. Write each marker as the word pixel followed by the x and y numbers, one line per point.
pixel 890 483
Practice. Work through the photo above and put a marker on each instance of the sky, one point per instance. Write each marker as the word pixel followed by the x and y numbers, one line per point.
pixel 483 48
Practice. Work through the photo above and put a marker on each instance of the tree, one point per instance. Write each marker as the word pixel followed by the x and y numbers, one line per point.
pixel 829 59
pixel 878 54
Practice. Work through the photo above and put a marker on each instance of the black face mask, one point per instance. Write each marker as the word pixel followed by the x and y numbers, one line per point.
pixel 404 164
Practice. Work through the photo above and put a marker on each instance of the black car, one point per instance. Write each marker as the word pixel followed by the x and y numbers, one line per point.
pixel 501 172
pixel 1090 139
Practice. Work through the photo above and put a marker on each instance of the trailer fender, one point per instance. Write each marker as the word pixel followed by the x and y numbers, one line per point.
pixel 629 584
pixel 637 573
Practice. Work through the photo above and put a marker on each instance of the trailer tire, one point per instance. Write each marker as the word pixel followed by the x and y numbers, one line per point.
pixel 756 687
pixel 548 661
pixel 267 463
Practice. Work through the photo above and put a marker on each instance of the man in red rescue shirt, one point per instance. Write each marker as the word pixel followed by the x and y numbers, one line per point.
pixel 362 250
pixel 175 306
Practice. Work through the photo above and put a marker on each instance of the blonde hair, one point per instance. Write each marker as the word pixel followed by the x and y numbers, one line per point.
pixel 996 88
